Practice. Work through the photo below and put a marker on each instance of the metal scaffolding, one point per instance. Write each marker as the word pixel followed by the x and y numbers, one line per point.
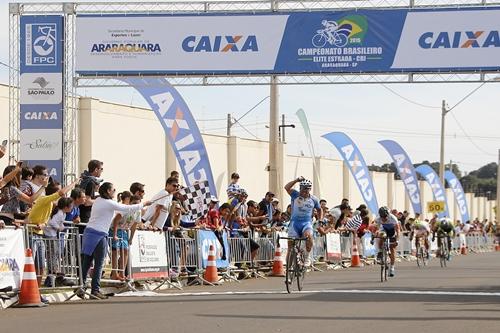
pixel 72 81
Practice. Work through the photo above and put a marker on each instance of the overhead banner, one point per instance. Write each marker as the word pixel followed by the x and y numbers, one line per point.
pixel 406 171
pixel 358 41
pixel 460 198
pixel 434 182
pixel 180 128
pixel 41 92
pixel 357 165
pixel 12 258
pixel 307 131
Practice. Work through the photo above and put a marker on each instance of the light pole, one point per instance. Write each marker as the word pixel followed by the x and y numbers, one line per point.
pixel 441 155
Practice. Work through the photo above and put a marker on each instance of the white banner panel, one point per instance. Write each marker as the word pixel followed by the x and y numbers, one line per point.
pixel 333 250
pixel 41 88
pixel 41 144
pixel 449 39
pixel 148 255
pixel 11 257
pixel 164 43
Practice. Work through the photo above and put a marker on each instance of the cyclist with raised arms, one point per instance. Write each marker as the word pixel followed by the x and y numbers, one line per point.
pixel 443 226
pixel 303 205
pixel 389 224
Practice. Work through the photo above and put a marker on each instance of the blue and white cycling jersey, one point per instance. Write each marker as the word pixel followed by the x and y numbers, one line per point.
pixel 389 226
pixel 303 208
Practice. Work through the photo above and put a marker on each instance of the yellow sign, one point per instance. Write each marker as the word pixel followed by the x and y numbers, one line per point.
pixel 436 206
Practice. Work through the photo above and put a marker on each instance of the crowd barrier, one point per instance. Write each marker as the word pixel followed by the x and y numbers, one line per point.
pixel 174 256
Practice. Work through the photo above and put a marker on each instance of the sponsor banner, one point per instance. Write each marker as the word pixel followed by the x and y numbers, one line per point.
pixel 333 250
pixel 180 128
pixel 460 198
pixel 406 171
pixel 357 41
pixel 207 238
pixel 41 88
pixel 41 46
pixel 369 249
pixel 437 188
pixel 41 91
pixel 11 258
pixel 357 165
pixel 148 255
pixel 41 144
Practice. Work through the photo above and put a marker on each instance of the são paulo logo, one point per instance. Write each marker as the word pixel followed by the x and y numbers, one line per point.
pixel 41 88
pixel 347 30
pixel 237 43
pixel 459 39
pixel 135 48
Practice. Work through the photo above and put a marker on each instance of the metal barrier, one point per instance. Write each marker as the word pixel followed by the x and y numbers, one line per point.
pixel 266 242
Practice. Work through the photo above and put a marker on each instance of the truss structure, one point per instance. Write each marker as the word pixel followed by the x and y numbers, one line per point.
pixel 72 81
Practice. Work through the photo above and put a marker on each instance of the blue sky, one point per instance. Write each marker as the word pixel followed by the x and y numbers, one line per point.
pixel 367 113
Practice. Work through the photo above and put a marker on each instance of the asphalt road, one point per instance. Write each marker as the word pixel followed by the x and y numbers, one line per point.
pixel 465 297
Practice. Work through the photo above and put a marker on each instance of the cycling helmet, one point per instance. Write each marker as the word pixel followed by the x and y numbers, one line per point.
pixel 383 212
pixel 306 184
pixel 445 221
pixel 324 22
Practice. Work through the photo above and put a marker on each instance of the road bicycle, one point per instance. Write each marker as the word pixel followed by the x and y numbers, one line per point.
pixel 384 260
pixel 444 251
pixel 295 263
pixel 422 253
pixel 339 38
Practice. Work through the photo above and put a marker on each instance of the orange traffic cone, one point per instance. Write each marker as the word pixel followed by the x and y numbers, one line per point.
pixel 463 249
pixel 355 261
pixel 29 295
pixel 278 269
pixel 211 271
pixel 497 246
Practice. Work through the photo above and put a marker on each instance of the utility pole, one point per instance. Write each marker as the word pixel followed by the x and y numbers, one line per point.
pixel 441 155
pixel 274 170
pixel 229 124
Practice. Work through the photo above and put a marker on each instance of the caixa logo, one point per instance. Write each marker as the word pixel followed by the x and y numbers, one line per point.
pixel 459 39
pixel 41 44
pixel 220 44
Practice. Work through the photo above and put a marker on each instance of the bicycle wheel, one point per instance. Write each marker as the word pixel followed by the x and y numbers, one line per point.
pixel 300 270
pixel 290 269
pixel 424 255
pixel 419 256
pixel 445 251
pixel 319 40
pixel 442 254
pixel 383 266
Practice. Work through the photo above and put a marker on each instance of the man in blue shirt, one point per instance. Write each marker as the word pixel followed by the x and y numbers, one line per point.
pixel 303 205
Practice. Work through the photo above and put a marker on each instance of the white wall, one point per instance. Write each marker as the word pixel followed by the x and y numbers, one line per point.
pixel 4 123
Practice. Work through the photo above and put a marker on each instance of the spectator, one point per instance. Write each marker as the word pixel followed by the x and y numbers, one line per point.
pixel 3 149
pixel 79 198
pixel 94 244
pixel 180 245
pixel 157 213
pixel 233 187
pixel 52 232
pixel 175 174
pixel 38 218
pixel 343 202
pixel 90 185
pixel 5 193
pixel 346 212
pixel 137 189
pixel 214 222
pixel 123 223
pixel 254 220
pixel 13 195
pixel 31 187
pixel 266 207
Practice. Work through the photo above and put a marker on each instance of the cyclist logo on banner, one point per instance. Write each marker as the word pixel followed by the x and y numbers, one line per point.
pixel 41 44
pixel 347 30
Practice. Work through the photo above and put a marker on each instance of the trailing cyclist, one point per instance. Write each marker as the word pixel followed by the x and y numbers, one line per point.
pixel 389 224
pixel 420 229
pixel 444 227
pixel 303 205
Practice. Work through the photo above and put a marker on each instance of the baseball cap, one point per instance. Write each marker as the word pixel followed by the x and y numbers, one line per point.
pixel 213 199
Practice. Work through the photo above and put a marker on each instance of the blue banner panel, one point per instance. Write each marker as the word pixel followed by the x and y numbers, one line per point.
pixel 356 41
pixel 460 198
pixel 357 165
pixel 406 171
pixel 41 92
pixel 180 128
pixel 437 188
pixel 207 238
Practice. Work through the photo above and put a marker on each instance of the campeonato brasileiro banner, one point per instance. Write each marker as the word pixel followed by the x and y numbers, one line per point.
pixel 396 40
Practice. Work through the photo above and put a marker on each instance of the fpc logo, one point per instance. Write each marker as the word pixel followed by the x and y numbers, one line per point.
pixel 41 44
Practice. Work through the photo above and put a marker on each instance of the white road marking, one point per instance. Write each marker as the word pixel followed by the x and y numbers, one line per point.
pixel 325 291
